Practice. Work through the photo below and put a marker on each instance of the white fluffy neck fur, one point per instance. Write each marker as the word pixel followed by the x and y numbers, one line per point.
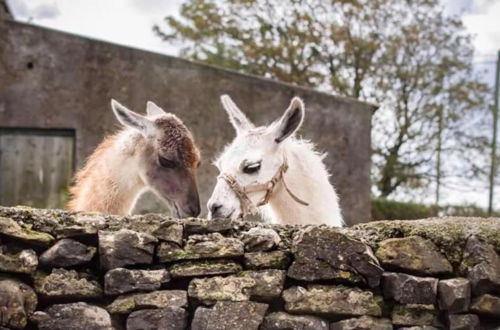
pixel 308 179
pixel 114 183
pixel 125 170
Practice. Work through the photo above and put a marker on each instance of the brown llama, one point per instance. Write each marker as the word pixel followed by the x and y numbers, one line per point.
pixel 154 152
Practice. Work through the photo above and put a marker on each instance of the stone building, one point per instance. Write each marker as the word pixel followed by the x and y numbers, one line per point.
pixel 55 90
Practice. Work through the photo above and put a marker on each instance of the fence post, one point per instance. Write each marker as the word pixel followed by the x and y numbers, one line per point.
pixel 494 141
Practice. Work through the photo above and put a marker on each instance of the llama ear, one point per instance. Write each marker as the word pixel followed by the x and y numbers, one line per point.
pixel 153 110
pixel 131 119
pixel 240 122
pixel 290 121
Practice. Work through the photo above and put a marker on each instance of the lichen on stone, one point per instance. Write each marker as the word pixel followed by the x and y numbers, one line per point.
pixel 242 275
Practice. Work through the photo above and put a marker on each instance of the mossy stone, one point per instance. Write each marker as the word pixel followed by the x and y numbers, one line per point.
pixel 412 254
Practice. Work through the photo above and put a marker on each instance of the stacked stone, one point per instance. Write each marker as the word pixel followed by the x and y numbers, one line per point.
pixel 62 270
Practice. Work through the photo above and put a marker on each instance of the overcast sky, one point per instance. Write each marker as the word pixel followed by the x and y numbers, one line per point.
pixel 129 22
pixel 125 22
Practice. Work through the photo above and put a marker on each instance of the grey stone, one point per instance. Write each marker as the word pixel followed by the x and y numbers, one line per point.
pixel 172 318
pixel 74 316
pixel 316 258
pixel 412 254
pixel 44 220
pixel 408 289
pixel 83 224
pixel 332 300
pixel 200 318
pixel 486 304
pixel 260 239
pixel 448 233
pixel 481 263
pixel 67 284
pixel 156 299
pixel 414 314
pixel 75 231
pixel 285 321
pixel 268 283
pixel 67 253
pixel 210 290
pixel 463 322
pixel 362 323
pixel 10 228
pixel 257 285
pixel 454 295
pixel 169 231
pixel 202 247
pixel 423 327
pixel 227 315
pixel 121 280
pixel 264 260
pixel 17 302
pixel 125 247
pixel 169 251
pixel 203 226
pixel 204 268
pixel 94 221
pixel 24 261
pixel 156 225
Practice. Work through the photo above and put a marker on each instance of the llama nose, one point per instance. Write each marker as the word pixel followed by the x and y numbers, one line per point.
pixel 195 210
pixel 214 209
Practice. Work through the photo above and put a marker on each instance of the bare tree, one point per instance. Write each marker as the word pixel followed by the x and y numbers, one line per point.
pixel 407 56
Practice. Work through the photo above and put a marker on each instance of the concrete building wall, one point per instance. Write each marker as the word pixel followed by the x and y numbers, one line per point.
pixel 55 80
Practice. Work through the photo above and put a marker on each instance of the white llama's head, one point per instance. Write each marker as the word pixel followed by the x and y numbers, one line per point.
pixel 254 156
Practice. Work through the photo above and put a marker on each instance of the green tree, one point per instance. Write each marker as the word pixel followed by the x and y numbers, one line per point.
pixel 406 56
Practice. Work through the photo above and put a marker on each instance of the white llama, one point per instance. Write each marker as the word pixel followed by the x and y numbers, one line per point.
pixel 267 170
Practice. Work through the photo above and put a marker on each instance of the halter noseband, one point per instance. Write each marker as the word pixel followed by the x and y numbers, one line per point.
pixel 247 207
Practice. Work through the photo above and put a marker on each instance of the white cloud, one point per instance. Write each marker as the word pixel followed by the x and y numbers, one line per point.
pixel 151 6
pixel 129 22
pixel 482 6
pixel 46 11
pixel 125 22
pixel 19 8
pixel 483 23
pixel 480 18
pixel 457 7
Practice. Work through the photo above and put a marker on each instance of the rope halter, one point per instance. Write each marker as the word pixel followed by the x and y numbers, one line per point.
pixel 247 206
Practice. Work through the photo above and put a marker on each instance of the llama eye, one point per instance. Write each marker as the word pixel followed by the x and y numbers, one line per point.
pixel 251 168
pixel 167 163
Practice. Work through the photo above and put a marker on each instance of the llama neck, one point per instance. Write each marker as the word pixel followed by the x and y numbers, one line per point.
pixel 308 179
pixel 110 183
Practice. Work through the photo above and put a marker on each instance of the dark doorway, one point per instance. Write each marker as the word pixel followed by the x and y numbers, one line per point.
pixel 36 166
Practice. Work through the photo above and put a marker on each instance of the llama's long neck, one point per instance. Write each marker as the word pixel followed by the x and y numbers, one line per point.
pixel 109 182
pixel 308 179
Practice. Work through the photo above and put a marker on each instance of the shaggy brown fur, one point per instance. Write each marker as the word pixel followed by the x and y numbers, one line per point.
pixel 177 137
pixel 94 186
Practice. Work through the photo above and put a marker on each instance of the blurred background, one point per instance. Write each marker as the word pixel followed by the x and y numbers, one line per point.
pixel 430 67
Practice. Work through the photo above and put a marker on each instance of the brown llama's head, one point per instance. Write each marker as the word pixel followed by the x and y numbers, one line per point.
pixel 166 156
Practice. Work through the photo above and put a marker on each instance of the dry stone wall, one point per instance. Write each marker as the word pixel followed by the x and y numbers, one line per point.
pixel 62 270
